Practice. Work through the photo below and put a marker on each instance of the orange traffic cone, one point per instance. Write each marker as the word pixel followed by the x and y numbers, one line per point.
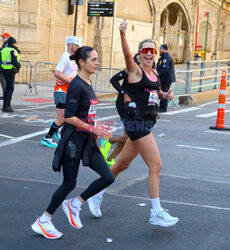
pixel 221 107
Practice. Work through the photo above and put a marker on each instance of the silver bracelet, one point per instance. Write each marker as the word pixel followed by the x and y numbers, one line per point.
pixel 164 95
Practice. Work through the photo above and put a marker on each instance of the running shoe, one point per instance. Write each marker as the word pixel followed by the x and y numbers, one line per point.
pixel 49 142
pixel 162 218
pixel 57 134
pixel 72 213
pixel 46 229
pixel 94 203
pixel 105 147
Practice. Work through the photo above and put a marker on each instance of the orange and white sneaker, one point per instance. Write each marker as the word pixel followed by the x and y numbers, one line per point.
pixel 46 229
pixel 72 213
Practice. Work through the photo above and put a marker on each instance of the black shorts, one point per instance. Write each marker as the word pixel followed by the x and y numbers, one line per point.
pixel 137 129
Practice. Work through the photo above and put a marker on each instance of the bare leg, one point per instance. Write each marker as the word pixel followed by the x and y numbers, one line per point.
pixel 121 142
pixel 128 153
pixel 60 117
pixel 148 149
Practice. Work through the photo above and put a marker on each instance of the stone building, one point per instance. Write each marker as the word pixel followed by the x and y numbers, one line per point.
pixel 41 26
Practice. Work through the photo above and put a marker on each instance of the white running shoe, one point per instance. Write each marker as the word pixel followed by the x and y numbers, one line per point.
pixel 162 218
pixel 72 213
pixel 94 203
pixel 46 229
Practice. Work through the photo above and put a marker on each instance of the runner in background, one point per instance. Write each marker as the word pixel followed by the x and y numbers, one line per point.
pixel 64 72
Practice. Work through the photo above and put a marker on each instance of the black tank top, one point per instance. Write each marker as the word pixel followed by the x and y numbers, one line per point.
pixel 140 91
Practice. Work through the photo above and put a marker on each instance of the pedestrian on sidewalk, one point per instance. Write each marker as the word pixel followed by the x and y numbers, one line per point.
pixel 10 64
pixel 64 72
pixel 78 142
pixel 5 38
pixel 166 71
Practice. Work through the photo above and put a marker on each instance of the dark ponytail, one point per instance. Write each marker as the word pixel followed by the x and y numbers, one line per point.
pixel 81 53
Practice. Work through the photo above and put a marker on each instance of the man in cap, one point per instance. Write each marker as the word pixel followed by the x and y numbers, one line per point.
pixel 10 64
pixel 5 38
pixel 64 72
pixel 166 71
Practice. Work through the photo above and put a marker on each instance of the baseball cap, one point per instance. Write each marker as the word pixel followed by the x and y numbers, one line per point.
pixel 164 46
pixel 74 40
pixel 5 34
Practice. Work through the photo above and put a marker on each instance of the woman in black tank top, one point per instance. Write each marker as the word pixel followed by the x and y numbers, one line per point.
pixel 144 90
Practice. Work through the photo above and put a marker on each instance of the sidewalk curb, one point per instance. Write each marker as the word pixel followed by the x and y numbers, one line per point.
pixel 209 95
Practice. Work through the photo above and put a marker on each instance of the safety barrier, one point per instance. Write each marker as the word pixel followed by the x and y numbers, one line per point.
pixel 25 75
pixel 43 75
pixel 199 76
pixel 101 80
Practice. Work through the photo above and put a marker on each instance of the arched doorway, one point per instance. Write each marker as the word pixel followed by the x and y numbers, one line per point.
pixel 174 30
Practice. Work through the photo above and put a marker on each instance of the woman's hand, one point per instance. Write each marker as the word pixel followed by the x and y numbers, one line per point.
pixel 169 95
pixel 123 26
pixel 102 132
pixel 127 99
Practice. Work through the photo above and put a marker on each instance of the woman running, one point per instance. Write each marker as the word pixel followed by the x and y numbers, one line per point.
pixel 78 142
pixel 144 91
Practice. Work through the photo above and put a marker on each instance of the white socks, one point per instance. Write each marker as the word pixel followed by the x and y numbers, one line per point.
pixel 45 218
pixel 76 202
pixel 100 194
pixel 156 205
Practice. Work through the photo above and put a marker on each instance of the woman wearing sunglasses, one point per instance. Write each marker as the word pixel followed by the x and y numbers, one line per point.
pixel 144 91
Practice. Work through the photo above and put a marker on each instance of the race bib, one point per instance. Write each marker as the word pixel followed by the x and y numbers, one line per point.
pixel 153 97
pixel 92 110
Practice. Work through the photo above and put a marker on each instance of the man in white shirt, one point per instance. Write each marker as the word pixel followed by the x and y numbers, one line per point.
pixel 64 72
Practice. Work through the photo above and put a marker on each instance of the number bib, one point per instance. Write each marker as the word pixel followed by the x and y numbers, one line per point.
pixel 92 110
pixel 153 97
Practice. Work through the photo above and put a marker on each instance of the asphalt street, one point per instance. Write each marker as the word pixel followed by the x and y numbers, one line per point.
pixel 194 184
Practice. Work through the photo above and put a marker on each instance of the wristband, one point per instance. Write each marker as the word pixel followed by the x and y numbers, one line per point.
pixel 164 95
pixel 91 129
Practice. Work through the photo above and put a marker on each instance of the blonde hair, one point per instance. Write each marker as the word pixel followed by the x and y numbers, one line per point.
pixel 148 40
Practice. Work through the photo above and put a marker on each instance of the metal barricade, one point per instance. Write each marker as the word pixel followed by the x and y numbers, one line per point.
pixel 25 75
pixel 101 79
pixel 43 75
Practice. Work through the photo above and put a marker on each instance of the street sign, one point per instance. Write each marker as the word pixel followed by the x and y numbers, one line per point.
pixel 206 13
pixel 80 2
pixel 96 8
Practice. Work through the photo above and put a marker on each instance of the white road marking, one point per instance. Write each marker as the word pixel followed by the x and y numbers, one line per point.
pixel 22 138
pixel 128 196
pixel 107 118
pixel 175 202
pixel 38 107
pixel 6 136
pixel 217 132
pixel 188 146
pixel 106 107
pixel 210 114
pixel 181 111
pixel 209 103
pixel 196 179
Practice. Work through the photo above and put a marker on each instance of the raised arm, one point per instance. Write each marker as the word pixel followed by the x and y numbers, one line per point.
pixel 129 61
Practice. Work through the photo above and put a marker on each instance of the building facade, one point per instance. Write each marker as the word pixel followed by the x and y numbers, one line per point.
pixel 41 26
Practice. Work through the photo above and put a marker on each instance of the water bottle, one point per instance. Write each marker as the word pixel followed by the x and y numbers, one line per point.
pixel 132 108
pixel 132 105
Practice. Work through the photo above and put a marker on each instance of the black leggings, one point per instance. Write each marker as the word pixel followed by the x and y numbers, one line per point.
pixel 70 171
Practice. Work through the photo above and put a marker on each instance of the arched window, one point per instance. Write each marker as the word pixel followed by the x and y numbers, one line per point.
pixel 65 6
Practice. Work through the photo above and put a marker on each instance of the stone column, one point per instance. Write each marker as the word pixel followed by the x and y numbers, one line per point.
pixel 178 35
pixel 166 23
pixel 51 30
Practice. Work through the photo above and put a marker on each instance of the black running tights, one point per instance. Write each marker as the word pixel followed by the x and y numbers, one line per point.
pixel 70 171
